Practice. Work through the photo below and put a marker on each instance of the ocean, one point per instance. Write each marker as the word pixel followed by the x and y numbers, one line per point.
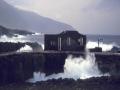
pixel 107 41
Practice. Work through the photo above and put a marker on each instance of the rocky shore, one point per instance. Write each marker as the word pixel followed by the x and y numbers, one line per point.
pixel 102 83
pixel 6 47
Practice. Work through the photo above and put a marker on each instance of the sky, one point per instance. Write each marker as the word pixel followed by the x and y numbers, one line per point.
pixel 86 16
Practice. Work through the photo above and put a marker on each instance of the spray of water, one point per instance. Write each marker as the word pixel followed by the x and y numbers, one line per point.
pixel 76 68
pixel 26 48
pixel 104 46
pixel 23 39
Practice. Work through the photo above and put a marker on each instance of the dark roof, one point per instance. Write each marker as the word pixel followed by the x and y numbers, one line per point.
pixel 71 33
pixel 67 33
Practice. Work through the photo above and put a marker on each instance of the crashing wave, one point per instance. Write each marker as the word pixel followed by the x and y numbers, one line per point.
pixel 76 68
pixel 22 39
pixel 104 46
pixel 38 34
pixel 26 48
pixel 15 39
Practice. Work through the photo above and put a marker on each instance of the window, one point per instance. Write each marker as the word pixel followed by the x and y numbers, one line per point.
pixel 80 40
pixel 68 41
pixel 59 43
pixel 52 43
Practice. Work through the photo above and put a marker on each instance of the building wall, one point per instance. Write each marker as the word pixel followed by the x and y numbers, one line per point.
pixel 51 42
pixel 65 42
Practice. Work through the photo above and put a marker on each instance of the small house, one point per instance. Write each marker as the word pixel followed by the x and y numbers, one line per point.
pixel 65 41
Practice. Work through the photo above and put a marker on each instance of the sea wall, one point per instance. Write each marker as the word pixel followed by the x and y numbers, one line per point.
pixel 109 64
pixel 54 62
pixel 20 66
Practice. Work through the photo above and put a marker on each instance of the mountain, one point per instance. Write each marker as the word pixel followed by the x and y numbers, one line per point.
pixel 25 20
pixel 12 32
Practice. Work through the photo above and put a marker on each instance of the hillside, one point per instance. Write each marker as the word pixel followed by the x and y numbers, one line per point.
pixel 12 32
pixel 25 20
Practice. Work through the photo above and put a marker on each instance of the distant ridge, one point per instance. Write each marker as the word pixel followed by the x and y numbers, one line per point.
pixel 15 18
pixel 12 32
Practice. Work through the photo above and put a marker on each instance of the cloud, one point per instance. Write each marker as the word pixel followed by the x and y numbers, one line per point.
pixel 110 4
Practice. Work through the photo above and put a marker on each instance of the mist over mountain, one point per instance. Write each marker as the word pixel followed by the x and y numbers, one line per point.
pixel 12 17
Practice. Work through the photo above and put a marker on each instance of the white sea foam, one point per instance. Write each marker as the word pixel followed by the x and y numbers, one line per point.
pixel 104 46
pixel 23 39
pixel 76 68
pixel 43 47
pixel 26 48
pixel 38 34
pixel 15 39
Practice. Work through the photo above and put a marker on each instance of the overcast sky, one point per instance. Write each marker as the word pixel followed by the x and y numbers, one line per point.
pixel 87 16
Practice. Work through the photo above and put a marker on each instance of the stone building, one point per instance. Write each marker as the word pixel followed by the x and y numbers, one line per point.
pixel 65 41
